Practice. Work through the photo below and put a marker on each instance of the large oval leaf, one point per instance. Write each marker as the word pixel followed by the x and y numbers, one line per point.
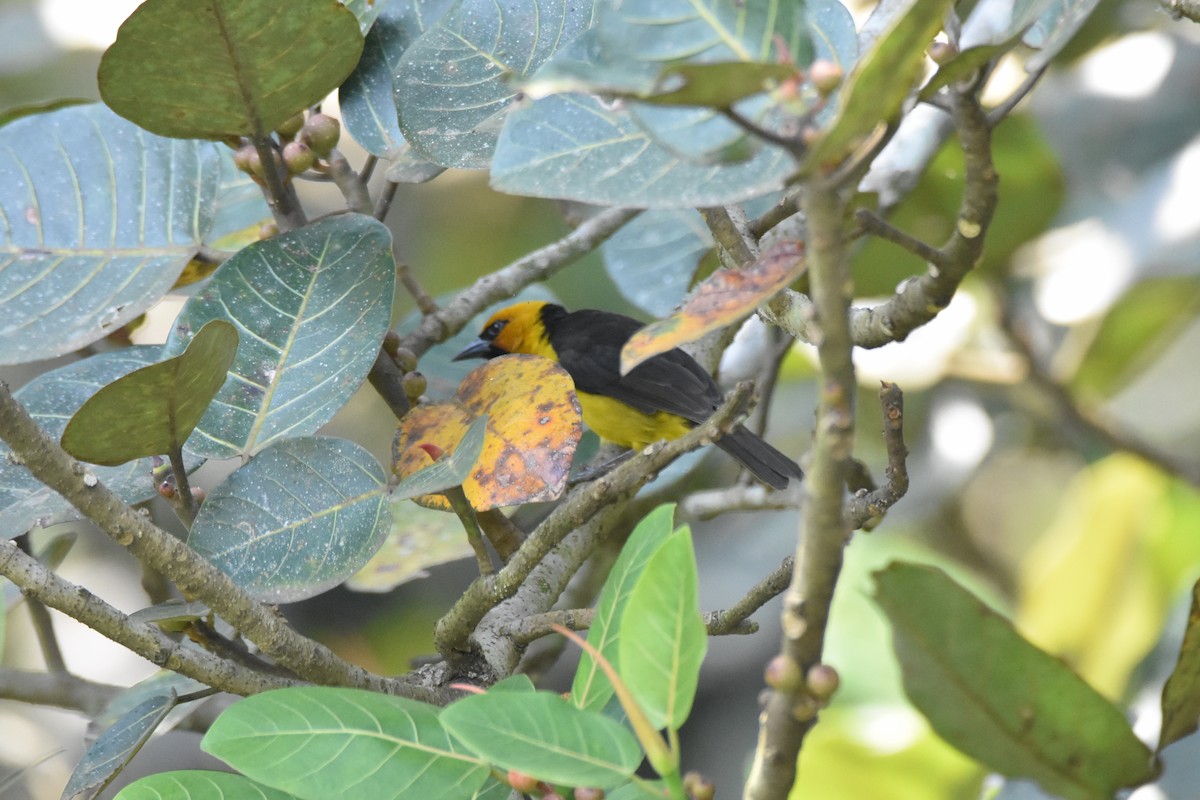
pixel 996 697
pixel 311 307
pixel 455 82
pixel 300 518
pixel 543 735
pixel 100 219
pixel 216 68
pixel 51 399
pixel 366 98
pixel 153 411
pixel 575 147
pixel 319 743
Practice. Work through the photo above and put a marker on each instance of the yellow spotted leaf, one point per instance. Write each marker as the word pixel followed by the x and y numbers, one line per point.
pixel 533 427
pixel 727 296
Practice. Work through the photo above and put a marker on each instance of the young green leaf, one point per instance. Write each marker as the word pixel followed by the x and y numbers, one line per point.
pixel 663 638
pixel 543 735
pixel 321 742
pixel 591 689
pixel 198 784
pixel 999 699
pixel 154 410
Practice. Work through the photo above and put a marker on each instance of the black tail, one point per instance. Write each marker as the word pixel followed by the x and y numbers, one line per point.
pixel 768 464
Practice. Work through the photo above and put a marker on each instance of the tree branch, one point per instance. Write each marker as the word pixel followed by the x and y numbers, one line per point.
pixel 57 689
pixel 536 266
pixel 195 576
pixel 142 638
pixel 736 618
pixel 866 505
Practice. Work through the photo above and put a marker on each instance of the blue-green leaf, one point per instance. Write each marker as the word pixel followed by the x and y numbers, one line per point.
pixel 301 517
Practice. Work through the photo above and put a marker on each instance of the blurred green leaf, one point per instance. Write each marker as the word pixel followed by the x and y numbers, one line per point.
pixel 1181 694
pixel 153 410
pixel 663 639
pixel 195 784
pixel 1033 193
pixel 654 257
pixel 591 688
pixel 302 516
pixel 1061 20
pixel 455 82
pixel 116 746
pixel 223 68
pixel 51 399
pixel 322 742
pixel 999 699
pixel 311 306
pixel 883 77
pixel 543 735
pixel 1138 328
pixel 101 218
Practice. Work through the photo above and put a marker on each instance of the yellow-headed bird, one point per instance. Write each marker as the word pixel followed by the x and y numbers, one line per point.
pixel 662 398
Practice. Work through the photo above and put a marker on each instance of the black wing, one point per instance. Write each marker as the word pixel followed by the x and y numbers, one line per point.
pixel 589 345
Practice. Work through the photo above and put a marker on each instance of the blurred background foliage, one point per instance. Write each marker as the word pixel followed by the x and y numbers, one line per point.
pixel 1087 298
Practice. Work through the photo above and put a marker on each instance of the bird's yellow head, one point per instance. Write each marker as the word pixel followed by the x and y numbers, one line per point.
pixel 519 328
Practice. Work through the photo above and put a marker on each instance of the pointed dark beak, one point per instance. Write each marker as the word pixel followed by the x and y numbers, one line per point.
pixel 479 349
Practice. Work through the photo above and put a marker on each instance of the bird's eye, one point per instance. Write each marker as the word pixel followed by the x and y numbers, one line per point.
pixel 491 331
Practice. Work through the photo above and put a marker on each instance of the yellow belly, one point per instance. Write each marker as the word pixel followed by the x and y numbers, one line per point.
pixel 620 424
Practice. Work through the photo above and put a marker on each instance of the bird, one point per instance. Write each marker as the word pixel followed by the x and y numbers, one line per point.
pixel 662 398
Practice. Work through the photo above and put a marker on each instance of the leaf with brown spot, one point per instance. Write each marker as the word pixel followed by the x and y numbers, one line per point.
pixel 534 425
pixel 727 296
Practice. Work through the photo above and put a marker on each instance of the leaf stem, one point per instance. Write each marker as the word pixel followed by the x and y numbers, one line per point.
pixel 187 503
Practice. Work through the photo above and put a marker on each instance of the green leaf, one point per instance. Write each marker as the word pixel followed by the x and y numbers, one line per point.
pixel 663 638
pixel 885 74
pixel 239 206
pixel 319 743
pixel 545 736
pixel 101 218
pixel 999 699
pixel 160 684
pixel 153 411
pixel 311 306
pixel 455 83
pixel 653 257
pixel 218 68
pixel 591 688
pixel 448 472
pixel 1181 694
pixel 575 147
pixel 196 784
pixel 116 746
pixel 301 517
pixel 51 399
pixel 1136 330
pixel 367 105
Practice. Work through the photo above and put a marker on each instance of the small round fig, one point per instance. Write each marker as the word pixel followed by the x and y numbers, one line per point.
pixel 244 156
pixel 783 673
pixel 822 681
pixel 267 230
pixel 414 384
pixel 698 787
pixel 825 75
pixel 526 784
pixel 321 133
pixel 291 126
pixel 405 359
pixel 297 157
pixel 942 53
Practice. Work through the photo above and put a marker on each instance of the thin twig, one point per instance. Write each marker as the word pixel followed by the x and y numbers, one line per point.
pixel 536 266
pixel 368 168
pixel 866 507
pixel 873 223
pixel 281 196
pixel 352 187
pixel 57 689
pixel 387 379
pixel 736 618
pixel 1000 112
pixel 425 302
pixel 43 624
pixel 383 204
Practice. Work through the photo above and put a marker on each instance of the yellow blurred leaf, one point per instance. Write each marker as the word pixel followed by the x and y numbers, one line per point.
pixel 533 427
pixel 723 298
pixel 1089 589
pixel 420 538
